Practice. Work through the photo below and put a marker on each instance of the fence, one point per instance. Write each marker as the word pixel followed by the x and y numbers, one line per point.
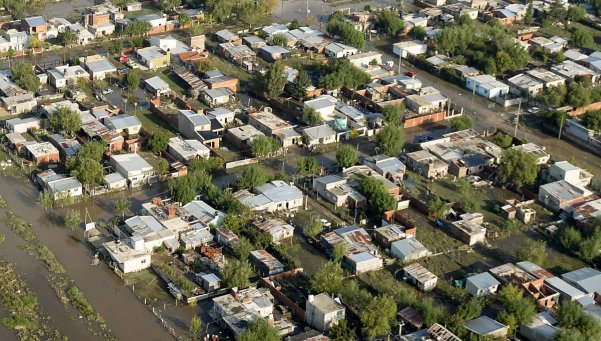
pixel 239 163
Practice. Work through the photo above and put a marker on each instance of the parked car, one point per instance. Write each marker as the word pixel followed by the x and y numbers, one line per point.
pixel 107 91
pixel 533 110
pixel 411 74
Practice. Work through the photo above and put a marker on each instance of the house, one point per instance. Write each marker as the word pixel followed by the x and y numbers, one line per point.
pixel 41 152
pixel 365 59
pixel 153 57
pixel 155 20
pixel 157 86
pixel 225 36
pixel 265 264
pixel 200 213
pixel 563 170
pixel 426 164
pixel 254 42
pixel 525 85
pixel 274 29
pixel 272 197
pixel 124 124
pixel 420 277
pixel 114 181
pixel 387 166
pixel 225 237
pixel 562 195
pixel 237 54
pixel 271 125
pixel 276 227
pixel 325 105
pixel 484 326
pixel 99 67
pixel 35 26
pixel 127 258
pixel 186 150
pixel 198 126
pixel 486 86
pixel 215 97
pixel 66 148
pixel 408 249
pixel 222 81
pixel 319 135
pixel 273 53
pixel 15 141
pixel 84 36
pixel 586 279
pixel 323 312
pixel 144 233
pixel 361 254
pixel 168 43
pixel 209 281
pixel 222 115
pixel 194 238
pixel 469 229
pixel 538 152
pixel 567 292
pixel 483 284
pixel 570 70
pixel 133 6
pixel 405 48
pixel 22 125
pixel 547 77
pixel 426 100
pixel 63 76
pixel 132 167
pixel 338 50
pixel 388 234
pixel 336 190
pixel 587 212
pixel 243 136
pixel 58 185
pixel 363 262
pixel 541 328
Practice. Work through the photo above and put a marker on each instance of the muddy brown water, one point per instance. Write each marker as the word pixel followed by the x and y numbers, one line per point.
pixel 125 315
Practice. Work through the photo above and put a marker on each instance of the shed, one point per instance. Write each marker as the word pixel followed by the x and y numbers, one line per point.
pixel 482 284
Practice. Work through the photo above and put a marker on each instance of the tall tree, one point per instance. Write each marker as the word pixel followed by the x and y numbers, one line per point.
pixel 390 140
pixel 390 22
pixel 251 177
pixel 393 113
pixel 275 80
pixel 378 197
pixel 461 123
pixel 328 278
pixel 24 76
pixel 346 156
pixel 377 318
pixel 534 251
pixel 341 332
pixel 259 330
pixel 195 327
pixel 307 165
pixel 88 171
pixel 72 219
pixel 132 80
pixel 64 120
pixel 529 17
pixel 168 5
pixel 67 38
pixel 314 228
pixel 299 87
pixel 158 142
pixel 311 116
pixel 236 274
pixel 122 206
pixel 518 168
pixel 183 189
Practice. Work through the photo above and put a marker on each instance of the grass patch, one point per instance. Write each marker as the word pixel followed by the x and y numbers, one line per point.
pixel 152 123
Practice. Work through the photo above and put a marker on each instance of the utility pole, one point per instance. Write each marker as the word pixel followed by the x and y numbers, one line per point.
pixel 400 59
pixel 307 2
pixel 517 120
pixel 563 115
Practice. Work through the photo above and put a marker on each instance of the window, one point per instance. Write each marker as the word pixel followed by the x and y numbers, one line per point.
pixel 143 261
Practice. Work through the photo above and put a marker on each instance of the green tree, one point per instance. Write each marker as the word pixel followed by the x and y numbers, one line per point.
pixel 72 219
pixel 339 251
pixel 418 33
pixel 582 38
pixel 557 12
pixel 168 5
pixel 592 119
pixel 346 31
pixel 243 248
pixel 502 140
pixel 158 142
pixel 378 197
pixel 341 332
pixel 23 75
pixel 461 123
pixel 122 206
pixel 262 146
pixel 298 89
pixel 259 329
pixel 274 81
pixel 578 95
pixel 195 326
pixel 311 117
pixel 465 312
pixel 67 38
pixel 220 9
pixel 556 118
pixel 279 40
pixel 346 156
pixel 236 274
pixel 307 165
pixel 314 228
pixel 576 13
pixel 553 95
pixel 518 168
pixel 182 189
pixel 208 166
pixel 390 22
pixel 529 17
pixel 393 113
pixel 503 61
pixel 251 177
pixel 342 73
pixel 132 80
pixel 92 150
pixel 46 200
pixel 589 248
pixel 438 208
pixel 138 28
pixel 517 309
pixel 377 318
pixel 162 166
pixel 570 238
pixel 328 278
pixel 534 251
pixel 390 140
pixel 88 171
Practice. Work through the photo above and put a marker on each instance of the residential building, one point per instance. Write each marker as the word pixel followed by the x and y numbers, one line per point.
pixel 323 312
pixel 483 284
pixel 63 76
pixel 66 148
pixel 338 50
pixel 157 86
pixel 41 152
pixel 420 277
pixel 426 164
pixel 194 238
pixel 563 170
pixel 525 85
pixel 547 77
pixel 272 197
pixel 426 100
pixel 363 262
pixel 84 36
pixel 215 97
pixel 124 124
pixel 153 57
pixel 388 234
pixel 276 227
pixel 562 195
pixel 541 328
pixel 408 249
pixel 243 136
pixel 133 6
pixel 336 190
pixel 570 70
pixel 127 258
pixel 132 167
pixel 222 115
pixel 362 254
pixel 209 281
pixel 486 86
pixel 586 279
pixel 319 135
pixel 538 152
pixel 469 229
pixel 325 105
pixel 271 125
pixel 365 59
pixel 187 150
pixel 226 237
pixel 273 53
pixel 226 36
pixel 484 326
pixel 265 264
pixel 588 212
pixel 35 26
pixel 567 292
pixel 406 48
pixel 59 185
pixel 254 42
pixel 144 233
pixel 99 67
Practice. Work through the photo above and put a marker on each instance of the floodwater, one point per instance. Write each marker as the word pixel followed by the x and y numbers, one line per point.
pixel 125 315
pixel 65 9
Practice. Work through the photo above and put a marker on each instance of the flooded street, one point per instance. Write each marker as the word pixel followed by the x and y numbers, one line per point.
pixel 124 313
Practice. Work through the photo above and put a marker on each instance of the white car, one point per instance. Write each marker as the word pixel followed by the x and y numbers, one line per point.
pixel 107 91
pixel 325 222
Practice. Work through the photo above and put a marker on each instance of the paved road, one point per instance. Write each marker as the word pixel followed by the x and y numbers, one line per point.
pixel 288 10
